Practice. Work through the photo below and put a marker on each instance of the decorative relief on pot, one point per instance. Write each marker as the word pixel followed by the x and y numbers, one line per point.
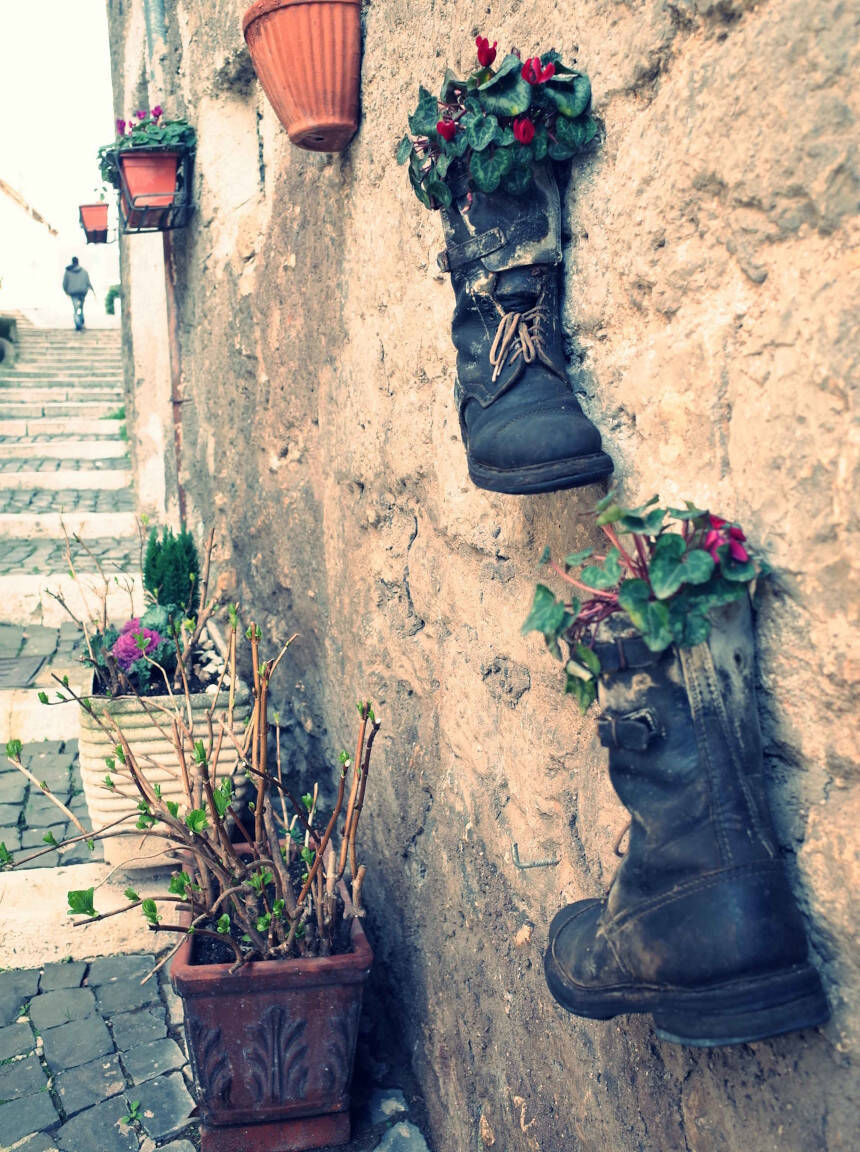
pixel 277 1059
pixel 337 1070
pixel 211 1064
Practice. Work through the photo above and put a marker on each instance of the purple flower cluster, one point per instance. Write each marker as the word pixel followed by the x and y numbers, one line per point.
pixel 126 649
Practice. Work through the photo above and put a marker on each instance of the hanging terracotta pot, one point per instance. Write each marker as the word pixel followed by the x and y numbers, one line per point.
pixel 150 176
pixel 307 55
pixel 94 221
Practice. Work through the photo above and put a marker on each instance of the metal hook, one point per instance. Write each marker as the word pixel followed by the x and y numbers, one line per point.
pixel 515 856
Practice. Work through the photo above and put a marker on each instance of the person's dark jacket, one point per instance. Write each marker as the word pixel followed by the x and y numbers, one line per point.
pixel 76 281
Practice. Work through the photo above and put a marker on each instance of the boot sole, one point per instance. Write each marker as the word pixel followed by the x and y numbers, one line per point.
pixel 735 1012
pixel 552 477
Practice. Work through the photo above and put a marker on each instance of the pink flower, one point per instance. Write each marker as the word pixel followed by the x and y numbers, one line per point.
pixel 711 543
pixel 140 114
pixel 533 73
pixel 721 532
pixel 524 130
pixel 446 129
pixel 157 111
pixel 717 521
pixel 126 650
pixel 738 552
pixel 486 54
pixel 120 127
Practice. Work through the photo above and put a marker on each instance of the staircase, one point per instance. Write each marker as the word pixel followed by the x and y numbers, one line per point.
pixel 63 468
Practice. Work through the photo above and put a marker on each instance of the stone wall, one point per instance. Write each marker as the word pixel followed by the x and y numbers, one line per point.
pixel 712 299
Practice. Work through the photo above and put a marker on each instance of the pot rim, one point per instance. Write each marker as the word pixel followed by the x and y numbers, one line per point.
pixel 266 7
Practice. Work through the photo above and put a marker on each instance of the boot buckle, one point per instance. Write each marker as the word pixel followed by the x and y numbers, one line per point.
pixel 472 249
pixel 632 730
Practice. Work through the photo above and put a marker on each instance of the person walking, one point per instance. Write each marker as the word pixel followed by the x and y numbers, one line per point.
pixel 76 284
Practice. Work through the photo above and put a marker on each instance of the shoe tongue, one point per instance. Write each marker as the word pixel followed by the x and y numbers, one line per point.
pixel 517 290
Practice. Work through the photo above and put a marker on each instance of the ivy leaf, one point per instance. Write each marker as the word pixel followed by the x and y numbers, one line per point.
pixel 569 92
pixel 588 657
pixel 549 617
pixel 607 576
pixel 576 558
pixel 671 566
pixel 423 120
pixel 649 616
pixel 404 148
pixel 584 692
pixel 480 132
pixel 488 168
pixel 196 820
pixel 81 902
pixel 179 883
pixel 506 94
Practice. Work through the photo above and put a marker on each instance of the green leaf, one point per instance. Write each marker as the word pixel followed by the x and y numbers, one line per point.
pixel 518 180
pixel 584 692
pixel 223 925
pixel 671 565
pixel 506 94
pixel 150 911
pixel 131 895
pixel 505 135
pixel 49 838
pixel 575 133
pixel 81 902
pixel 488 168
pixel 457 146
pixel 689 626
pixel 549 617
pixel 559 152
pixel 545 556
pixel 179 883
pixel 569 92
pixel 606 576
pixel 43 697
pixel 423 120
pixel 648 616
pixel 5 854
pixel 440 167
pixel 199 752
pixel 610 514
pixel 480 133
pixel 438 190
pixel 691 512
pixel 14 748
pixel 588 657
pixel 576 558
pixel 404 148
pixel 732 570
pixel 172 807
pixel 308 800
pixel 196 820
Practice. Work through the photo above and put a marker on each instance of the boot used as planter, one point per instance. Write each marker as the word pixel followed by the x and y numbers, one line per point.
pixel 272 1046
pixel 483 153
pixel 700 927
pixel 307 55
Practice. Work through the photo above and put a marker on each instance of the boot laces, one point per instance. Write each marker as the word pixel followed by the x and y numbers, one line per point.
pixel 518 334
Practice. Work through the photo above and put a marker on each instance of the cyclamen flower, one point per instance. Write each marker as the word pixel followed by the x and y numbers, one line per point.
pixel 140 114
pixel 125 650
pixel 157 111
pixel 486 54
pixel 721 532
pixel 120 127
pixel 533 73
pixel 524 130
pixel 446 129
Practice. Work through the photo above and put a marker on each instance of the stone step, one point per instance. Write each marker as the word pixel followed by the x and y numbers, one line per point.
pixel 45 377
pixel 85 390
pixel 52 409
pixel 70 425
pixel 63 448
pixel 26 598
pixel 105 480
pixel 21 556
pixel 49 525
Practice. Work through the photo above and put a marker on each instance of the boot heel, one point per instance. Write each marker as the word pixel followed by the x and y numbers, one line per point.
pixel 789 1002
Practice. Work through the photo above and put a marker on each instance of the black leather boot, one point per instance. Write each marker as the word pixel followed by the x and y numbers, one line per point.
pixel 521 424
pixel 700 927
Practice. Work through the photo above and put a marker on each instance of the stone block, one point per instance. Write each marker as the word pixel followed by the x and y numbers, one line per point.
pixel 99 1129
pixel 62 974
pixel 16 987
pixel 147 1060
pixel 165 1105
pixel 124 995
pixel 38 1142
pixel 28 1114
pixel 133 1028
pixel 51 1009
pixel 90 1083
pixel 22 1077
pixel 76 1043
pixel 13 786
pixel 110 969
pixel 15 1039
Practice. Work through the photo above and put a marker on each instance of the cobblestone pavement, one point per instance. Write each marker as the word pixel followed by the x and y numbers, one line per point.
pixel 49 556
pixel 46 464
pixel 68 500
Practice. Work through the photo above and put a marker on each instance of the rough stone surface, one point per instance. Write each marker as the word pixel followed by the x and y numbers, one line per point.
pixel 712 305
pixel 148 1060
pixel 15 1039
pixel 165 1105
pixel 61 975
pixel 19 1118
pixel 386 1105
pixel 98 1129
pixel 124 995
pixel 21 1078
pixel 89 1084
pixel 54 1008
pixel 133 1028
pixel 403 1137
pixel 16 986
pixel 76 1043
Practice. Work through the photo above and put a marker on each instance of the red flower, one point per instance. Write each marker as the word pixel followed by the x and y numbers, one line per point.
pixel 738 552
pixel 157 111
pixel 120 127
pixel 524 130
pixel 140 114
pixel 446 129
pixel 721 532
pixel 716 521
pixel 711 543
pixel 534 74
pixel 486 54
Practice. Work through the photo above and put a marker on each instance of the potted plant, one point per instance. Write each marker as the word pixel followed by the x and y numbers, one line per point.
pixel 307 56
pixel 271 957
pixel 147 164
pixel 700 927
pixel 137 667
pixel 482 152
pixel 94 221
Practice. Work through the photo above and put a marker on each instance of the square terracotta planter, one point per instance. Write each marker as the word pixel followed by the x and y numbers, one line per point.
pixel 94 221
pixel 272 1047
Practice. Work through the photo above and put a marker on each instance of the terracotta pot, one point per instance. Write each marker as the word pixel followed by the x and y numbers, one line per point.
pixel 94 221
pixel 150 176
pixel 272 1047
pixel 307 55
pixel 156 755
pixel 142 217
